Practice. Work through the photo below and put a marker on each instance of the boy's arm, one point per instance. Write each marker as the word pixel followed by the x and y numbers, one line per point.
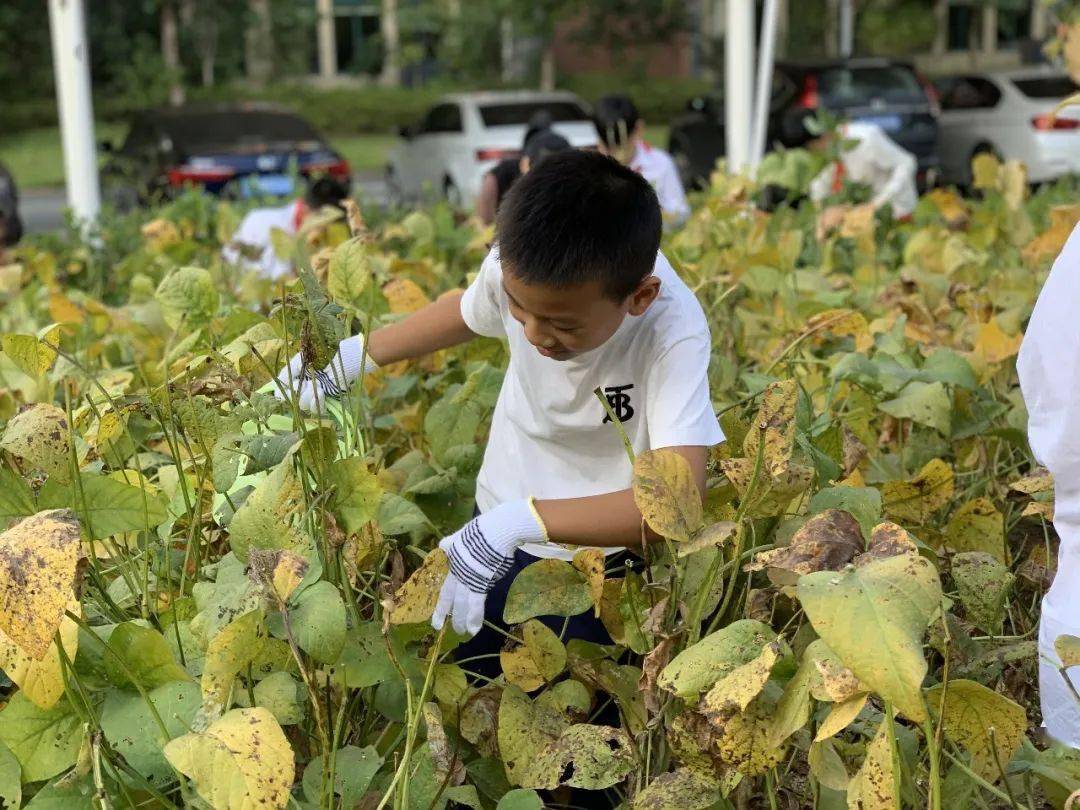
pixel 612 519
pixel 439 325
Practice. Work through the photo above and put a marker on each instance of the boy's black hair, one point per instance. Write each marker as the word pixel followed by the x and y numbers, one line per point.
pixel 579 216
pixel 538 122
pixel 544 142
pixel 614 118
pixel 325 191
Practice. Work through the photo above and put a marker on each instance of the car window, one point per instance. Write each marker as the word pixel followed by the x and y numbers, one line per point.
pixel 783 88
pixel 443 118
pixel 971 93
pixel 521 112
pixel 1047 86
pixel 237 130
pixel 864 86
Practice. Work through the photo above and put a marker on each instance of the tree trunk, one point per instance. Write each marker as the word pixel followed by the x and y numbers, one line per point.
pixel 506 49
pixel 832 31
pixel 989 28
pixel 783 28
pixel 388 27
pixel 258 43
pixel 941 27
pixel 327 40
pixel 170 51
pixel 547 66
pixel 201 18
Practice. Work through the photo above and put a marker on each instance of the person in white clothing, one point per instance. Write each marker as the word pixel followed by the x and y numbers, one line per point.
pixel 578 288
pixel 1049 374
pixel 251 247
pixel 865 155
pixel 621 133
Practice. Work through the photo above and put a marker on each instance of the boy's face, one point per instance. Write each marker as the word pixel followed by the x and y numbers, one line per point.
pixel 563 322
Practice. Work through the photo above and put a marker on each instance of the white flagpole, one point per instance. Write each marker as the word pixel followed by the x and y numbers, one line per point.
pixel 763 95
pixel 738 81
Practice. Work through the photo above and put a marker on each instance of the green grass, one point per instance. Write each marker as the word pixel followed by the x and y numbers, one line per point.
pixel 34 157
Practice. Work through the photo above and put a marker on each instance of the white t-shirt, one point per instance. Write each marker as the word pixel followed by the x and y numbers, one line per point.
pixel 1049 371
pixel 656 166
pixel 878 161
pixel 254 232
pixel 549 434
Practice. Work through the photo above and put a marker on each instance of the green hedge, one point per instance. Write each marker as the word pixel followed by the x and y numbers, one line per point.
pixel 348 110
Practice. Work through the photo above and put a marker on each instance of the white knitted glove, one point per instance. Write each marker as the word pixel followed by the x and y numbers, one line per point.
pixel 480 554
pixel 331 381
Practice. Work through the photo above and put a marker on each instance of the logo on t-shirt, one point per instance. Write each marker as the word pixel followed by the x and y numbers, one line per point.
pixel 619 401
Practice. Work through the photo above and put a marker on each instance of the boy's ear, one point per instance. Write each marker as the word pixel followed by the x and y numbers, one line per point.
pixel 641 298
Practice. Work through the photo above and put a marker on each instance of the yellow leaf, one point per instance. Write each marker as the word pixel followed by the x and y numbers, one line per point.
pixel 241 762
pixel 993 345
pixel 404 296
pixel 539 659
pixel 1038 481
pixel 415 600
pixel 977 526
pixel 775 424
pixel 980 720
pixel 349 272
pixel 666 494
pixel 744 683
pixel 984 171
pixel 916 500
pixel 229 651
pixel 844 322
pixel 41 437
pixel 38 557
pixel 1068 650
pixel 41 680
pixel 1048 244
pixel 160 233
pixel 873 787
pixel 590 562
pixel 841 716
pixel 950 205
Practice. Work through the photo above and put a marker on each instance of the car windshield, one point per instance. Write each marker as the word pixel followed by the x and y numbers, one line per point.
pixel 1047 86
pixel 520 112
pixel 238 131
pixel 862 87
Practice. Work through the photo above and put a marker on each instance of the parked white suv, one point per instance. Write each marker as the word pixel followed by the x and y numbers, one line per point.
pixel 464 135
pixel 1007 113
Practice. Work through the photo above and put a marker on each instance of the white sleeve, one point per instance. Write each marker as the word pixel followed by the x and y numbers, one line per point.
pixel 678 409
pixel 483 302
pixel 244 235
pixel 669 190
pixel 821 186
pixel 1049 372
pixel 898 162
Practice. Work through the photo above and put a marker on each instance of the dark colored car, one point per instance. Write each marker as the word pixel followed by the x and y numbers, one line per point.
pixel 236 150
pixel 11 228
pixel 886 92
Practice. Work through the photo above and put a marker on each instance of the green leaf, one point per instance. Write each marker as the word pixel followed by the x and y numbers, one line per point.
pixel 354 768
pixel 107 506
pixel 977 526
pixel 44 741
pixel 873 617
pixel 520 799
pixel 31 353
pixel 946 366
pixel 144 653
pixel 356 493
pixel 10 778
pixel 396 515
pixel 584 756
pixel 350 272
pixel 265 520
pixel 281 694
pixel 187 296
pixel 983 585
pixel 317 618
pixel 547 588
pixel 701 665
pixel 526 728
pixel 864 504
pixel 923 403
pixel 132 731
pixel 15 498
pixel 68 792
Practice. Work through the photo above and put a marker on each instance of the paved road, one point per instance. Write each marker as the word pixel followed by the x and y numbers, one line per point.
pixel 43 209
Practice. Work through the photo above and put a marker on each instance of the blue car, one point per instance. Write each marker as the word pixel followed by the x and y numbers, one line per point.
pixel 239 151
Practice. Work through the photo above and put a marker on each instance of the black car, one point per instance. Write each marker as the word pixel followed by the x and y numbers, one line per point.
pixel 240 150
pixel 11 228
pixel 883 91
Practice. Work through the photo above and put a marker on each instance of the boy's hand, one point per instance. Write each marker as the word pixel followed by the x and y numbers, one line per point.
pixel 480 554
pixel 331 381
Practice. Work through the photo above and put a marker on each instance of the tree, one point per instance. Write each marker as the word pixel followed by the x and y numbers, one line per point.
pixel 391 37
pixel 258 43
pixel 170 51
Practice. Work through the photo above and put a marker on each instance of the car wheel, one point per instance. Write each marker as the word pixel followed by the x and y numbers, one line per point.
pixel 451 193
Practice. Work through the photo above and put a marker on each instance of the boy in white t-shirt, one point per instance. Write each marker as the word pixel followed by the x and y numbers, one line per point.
pixel 621 133
pixel 577 286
